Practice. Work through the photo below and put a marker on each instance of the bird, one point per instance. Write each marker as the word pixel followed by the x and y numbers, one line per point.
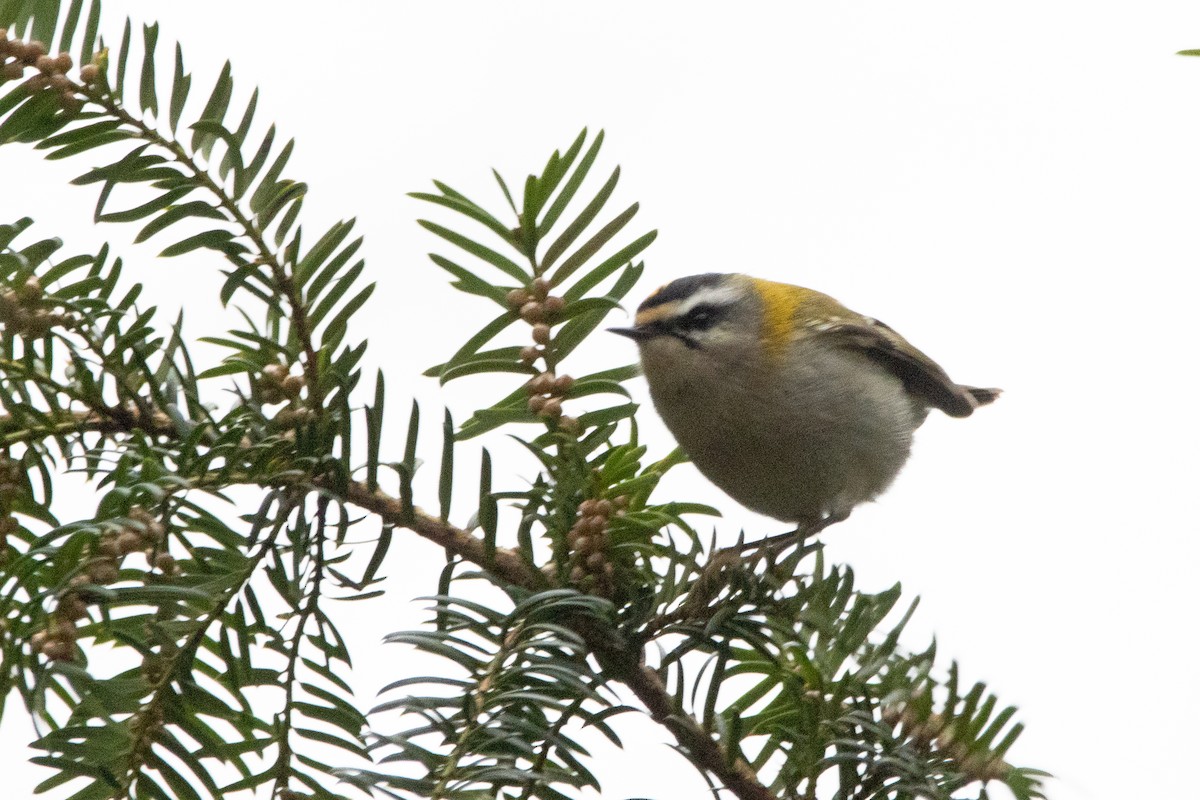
pixel 792 404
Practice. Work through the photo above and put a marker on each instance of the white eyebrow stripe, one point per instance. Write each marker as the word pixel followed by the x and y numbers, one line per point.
pixel 707 295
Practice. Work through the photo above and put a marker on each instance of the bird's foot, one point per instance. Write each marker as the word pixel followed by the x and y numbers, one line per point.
pixel 772 546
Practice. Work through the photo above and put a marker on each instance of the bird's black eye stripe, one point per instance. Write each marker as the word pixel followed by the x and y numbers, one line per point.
pixel 700 318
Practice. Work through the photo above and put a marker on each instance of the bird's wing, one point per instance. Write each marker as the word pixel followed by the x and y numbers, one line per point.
pixel 920 374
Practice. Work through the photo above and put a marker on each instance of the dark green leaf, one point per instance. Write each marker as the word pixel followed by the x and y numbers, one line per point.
pixel 181 86
pixel 217 131
pixel 474 248
pixel 580 223
pixel 149 93
pixel 593 245
pixel 469 283
pixel 196 209
pixel 477 367
pixel 572 185
pixel 471 210
pixel 446 481
pixel 214 110
pixel 123 59
pixel 489 419
pixel 610 265
pixel 213 240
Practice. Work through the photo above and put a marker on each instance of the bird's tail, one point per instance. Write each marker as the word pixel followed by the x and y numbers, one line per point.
pixel 982 396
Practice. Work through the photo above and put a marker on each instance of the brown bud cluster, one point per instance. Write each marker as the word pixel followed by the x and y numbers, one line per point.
pixel 546 391
pixel 24 312
pixel 589 542
pixel 145 533
pixel 50 71
pixel 12 485
pixel 530 355
pixel 147 723
pixel 153 668
pixel 936 732
pixel 291 417
pixel 277 384
pixel 8 526
pixel 12 480
pixel 541 310
pixel 57 643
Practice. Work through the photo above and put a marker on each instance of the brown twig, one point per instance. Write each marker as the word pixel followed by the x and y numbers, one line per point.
pixel 622 659
pixel 506 563
pixel 628 665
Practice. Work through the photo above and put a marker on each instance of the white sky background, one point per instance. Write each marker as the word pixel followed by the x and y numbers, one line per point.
pixel 1013 188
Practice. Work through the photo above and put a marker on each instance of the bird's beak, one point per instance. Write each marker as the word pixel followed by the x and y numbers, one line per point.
pixel 637 334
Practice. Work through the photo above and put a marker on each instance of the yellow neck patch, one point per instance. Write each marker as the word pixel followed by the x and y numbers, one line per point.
pixel 780 303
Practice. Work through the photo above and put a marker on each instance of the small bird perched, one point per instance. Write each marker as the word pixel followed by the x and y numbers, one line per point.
pixel 794 405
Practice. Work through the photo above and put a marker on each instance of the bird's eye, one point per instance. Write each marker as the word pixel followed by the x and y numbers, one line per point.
pixel 700 318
